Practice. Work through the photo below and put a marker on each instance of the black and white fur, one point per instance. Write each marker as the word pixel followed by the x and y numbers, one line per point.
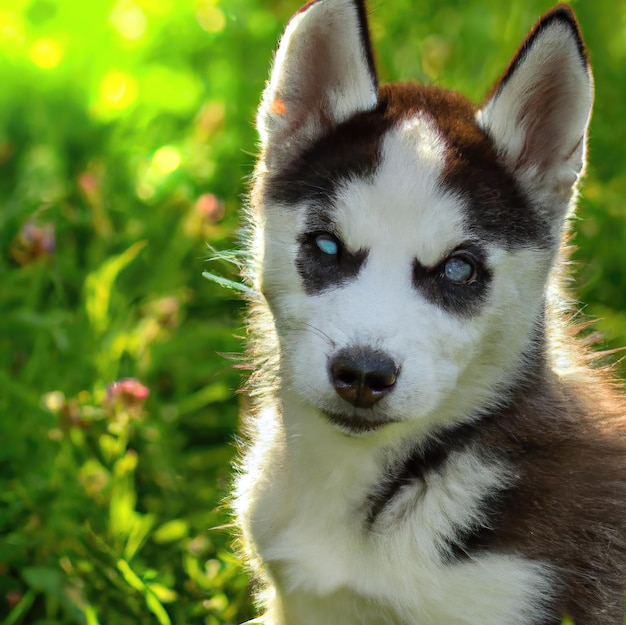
pixel 428 445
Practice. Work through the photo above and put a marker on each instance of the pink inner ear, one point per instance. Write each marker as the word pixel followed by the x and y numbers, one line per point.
pixel 547 111
pixel 539 110
pixel 323 75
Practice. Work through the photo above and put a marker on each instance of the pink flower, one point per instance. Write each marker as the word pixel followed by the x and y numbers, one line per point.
pixel 126 396
pixel 209 208
pixel 204 216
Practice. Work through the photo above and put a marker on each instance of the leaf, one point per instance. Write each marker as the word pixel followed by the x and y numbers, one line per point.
pixel 91 616
pixel 171 531
pixel 51 582
pixel 139 532
pixel 122 515
pixel 205 396
pixel 164 594
pixel 134 581
pixel 99 284
pixel 45 579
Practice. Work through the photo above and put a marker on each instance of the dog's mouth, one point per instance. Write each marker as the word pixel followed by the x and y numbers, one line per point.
pixel 356 424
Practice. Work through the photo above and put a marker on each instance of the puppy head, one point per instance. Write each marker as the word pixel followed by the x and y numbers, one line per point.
pixel 404 237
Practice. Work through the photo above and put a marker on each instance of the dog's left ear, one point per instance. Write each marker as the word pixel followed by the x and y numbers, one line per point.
pixel 538 112
pixel 323 74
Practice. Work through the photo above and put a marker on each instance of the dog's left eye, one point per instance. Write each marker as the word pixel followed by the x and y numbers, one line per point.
pixel 460 270
pixel 327 244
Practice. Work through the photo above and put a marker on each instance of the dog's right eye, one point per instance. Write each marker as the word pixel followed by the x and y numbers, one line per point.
pixel 328 244
pixel 324 261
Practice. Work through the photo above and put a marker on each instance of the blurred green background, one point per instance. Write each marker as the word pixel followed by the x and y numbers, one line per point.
pixel 125 141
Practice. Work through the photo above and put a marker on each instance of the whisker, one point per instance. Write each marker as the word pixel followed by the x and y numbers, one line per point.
pixel 314 330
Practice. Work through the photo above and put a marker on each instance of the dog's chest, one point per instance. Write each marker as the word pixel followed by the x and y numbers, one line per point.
pixel 314 535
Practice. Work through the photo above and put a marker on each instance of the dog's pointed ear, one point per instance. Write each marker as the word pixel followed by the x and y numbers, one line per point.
pixel 323 74
pixel 538 112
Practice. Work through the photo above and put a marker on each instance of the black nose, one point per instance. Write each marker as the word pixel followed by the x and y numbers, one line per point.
pixel 362 376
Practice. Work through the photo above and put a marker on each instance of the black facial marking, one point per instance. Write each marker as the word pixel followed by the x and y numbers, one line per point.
pixel 497 210
pixel 319 270
pixel 347 152
pixel 462 298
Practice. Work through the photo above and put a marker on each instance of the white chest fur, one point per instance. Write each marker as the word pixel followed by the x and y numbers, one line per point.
pixel 307 515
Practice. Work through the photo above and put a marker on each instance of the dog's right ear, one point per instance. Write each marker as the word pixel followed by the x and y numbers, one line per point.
pixel 323 74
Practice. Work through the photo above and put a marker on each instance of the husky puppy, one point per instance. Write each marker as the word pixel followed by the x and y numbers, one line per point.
pixel 428 445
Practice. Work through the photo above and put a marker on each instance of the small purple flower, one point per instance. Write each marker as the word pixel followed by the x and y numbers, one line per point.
pixel 33 242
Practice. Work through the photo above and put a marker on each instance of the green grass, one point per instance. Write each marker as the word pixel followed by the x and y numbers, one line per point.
pixel 125 140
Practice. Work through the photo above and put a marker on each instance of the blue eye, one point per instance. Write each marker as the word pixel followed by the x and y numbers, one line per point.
pixel 460 270
pixel 327 244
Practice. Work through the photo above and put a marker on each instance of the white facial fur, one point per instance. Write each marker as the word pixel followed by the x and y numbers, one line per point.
pixel 450 365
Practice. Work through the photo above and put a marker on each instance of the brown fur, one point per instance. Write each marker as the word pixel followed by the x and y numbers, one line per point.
pixel 567 440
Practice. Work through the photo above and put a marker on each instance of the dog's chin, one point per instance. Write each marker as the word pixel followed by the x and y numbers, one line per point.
pixel 355 424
